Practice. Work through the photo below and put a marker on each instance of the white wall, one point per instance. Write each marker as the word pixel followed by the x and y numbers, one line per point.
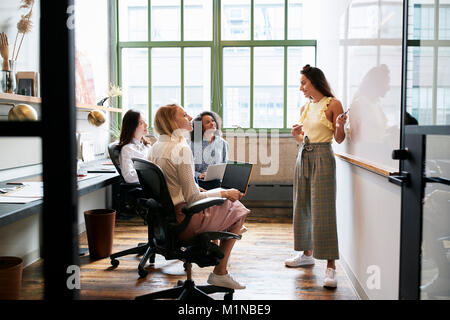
pixel 368 206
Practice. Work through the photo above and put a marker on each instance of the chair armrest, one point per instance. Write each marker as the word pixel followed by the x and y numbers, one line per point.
pixel 201 205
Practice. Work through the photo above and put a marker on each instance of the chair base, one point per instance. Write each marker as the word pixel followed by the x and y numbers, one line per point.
pixel 141 249
pixel 188 291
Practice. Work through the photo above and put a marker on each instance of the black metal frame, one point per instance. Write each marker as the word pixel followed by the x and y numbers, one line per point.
pixel 413 181
pixel 60 214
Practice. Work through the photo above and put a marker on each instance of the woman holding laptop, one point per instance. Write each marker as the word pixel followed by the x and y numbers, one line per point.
pixel 208 147
pixel 173 154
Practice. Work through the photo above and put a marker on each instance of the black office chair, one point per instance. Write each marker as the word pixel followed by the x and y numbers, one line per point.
pixel 128 195
pixel 164 231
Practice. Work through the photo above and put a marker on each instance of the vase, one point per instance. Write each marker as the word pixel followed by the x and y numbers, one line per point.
pixel 11 77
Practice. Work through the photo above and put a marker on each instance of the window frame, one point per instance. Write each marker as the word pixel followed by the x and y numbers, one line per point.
pixel 217 48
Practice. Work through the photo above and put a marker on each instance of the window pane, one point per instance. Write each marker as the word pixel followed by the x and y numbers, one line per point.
pixel 135 80
pixel 295 20
pixel 197 80
pixel 166 77
pixel 198 20
pixel 363 21
pixel 269 20
pixel 166 20
pixel 297 58
pixel 443 89
pixel 268 101
pixel 391 20
pixel 421 22
pixel 133 20
pixel 444 19
pixel 235 19
pixel 420 84
pixel 236 87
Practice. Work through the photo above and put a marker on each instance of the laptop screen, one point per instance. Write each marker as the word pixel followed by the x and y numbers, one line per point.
pixel 237 176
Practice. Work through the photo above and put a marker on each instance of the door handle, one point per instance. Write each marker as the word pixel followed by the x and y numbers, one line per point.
pixel 400 179
pixel 400 154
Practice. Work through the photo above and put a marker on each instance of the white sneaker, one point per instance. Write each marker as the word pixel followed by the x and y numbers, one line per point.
pixel 300 260
pixel 226 281
pixel 330 278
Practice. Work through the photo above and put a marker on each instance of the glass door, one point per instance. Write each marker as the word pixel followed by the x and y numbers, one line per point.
pixel 425 153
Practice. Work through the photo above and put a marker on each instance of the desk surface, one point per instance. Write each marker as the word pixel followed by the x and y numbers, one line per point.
pixel 10 213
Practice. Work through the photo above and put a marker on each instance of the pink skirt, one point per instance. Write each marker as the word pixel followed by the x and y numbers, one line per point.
pixel 227 217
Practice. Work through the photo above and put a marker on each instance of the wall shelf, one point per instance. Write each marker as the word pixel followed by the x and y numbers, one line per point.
pixel 89 108
pixel 19 98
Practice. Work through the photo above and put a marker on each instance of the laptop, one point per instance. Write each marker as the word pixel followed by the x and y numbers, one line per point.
pixel 237 176
pixel 215 171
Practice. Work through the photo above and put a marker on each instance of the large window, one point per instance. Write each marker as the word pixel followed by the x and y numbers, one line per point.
pixel 239 58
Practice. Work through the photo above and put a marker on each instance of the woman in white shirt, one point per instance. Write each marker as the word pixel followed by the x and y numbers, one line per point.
pixel 173 154
pixel 132 144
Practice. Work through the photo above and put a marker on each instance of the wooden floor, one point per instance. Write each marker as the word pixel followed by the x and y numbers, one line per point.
pixel 257 260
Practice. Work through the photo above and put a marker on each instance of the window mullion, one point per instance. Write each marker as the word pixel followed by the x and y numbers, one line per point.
pixel 285 87
pixel 150 106
pixel 252 31
pixel 182 51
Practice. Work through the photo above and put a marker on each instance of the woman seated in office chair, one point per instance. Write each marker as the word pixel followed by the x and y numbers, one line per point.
pixel 173 154
pixel 207 146
pixel 132 144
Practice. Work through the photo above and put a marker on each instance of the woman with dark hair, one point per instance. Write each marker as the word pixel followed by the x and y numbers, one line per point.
pixel 132 144
pixel 207 146
pixel 315 231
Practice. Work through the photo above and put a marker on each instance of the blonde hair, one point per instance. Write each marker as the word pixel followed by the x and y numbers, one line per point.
pixel 165 119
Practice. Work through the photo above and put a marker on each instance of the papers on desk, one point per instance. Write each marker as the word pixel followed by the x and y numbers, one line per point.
pixel 25 193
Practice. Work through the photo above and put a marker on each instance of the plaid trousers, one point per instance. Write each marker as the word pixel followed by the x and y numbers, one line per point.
pixel 315 201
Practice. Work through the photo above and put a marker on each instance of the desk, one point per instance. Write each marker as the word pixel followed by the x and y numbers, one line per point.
pixel 10 213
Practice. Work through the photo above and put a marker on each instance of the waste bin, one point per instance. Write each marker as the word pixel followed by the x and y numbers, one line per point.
pixel 100 231
pixel 10 277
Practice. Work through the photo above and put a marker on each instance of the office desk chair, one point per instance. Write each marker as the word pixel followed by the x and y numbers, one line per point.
pixel 129 193
pixel 164 230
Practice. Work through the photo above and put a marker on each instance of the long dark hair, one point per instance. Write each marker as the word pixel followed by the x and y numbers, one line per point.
pixel 318 80
pixel 130 122
pixel 199 118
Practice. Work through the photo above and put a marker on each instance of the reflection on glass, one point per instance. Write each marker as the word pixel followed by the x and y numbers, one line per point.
pixel 297 58
pixel 133 20
pixel 197 80
pixel 443 87
pixel 421 19
pixel 198 20
pixel 268 96
pixel 269 20
pixel 235 19
pixel 444 19
pixel 435 257
pixel 391 19
pixel 166 77
pixel 420 84
pixel 165 20
pixel 236 87
pixel 295 18
pixel 135 80
pixel 363 20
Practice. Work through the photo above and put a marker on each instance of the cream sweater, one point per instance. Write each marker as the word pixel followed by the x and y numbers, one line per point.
pixel 174 156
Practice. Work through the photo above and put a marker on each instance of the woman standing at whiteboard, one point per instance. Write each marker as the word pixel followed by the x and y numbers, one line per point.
pixel 315 231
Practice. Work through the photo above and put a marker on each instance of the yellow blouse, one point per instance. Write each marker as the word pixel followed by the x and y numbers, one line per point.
pixel 315 123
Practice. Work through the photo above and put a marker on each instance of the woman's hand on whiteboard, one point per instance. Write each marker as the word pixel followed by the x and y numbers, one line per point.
pixel 341 120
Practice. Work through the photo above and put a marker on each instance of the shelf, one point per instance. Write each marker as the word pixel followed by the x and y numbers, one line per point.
pixel 19 98
pixel 88 108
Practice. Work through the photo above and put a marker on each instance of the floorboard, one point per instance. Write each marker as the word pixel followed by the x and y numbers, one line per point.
pixel 257 260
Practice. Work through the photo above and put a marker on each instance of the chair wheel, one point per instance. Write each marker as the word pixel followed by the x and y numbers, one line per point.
pixel 228 297
pixel 142 273
pixel 114 262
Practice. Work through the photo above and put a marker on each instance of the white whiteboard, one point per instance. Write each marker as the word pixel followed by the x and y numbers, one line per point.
pixel 370 71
